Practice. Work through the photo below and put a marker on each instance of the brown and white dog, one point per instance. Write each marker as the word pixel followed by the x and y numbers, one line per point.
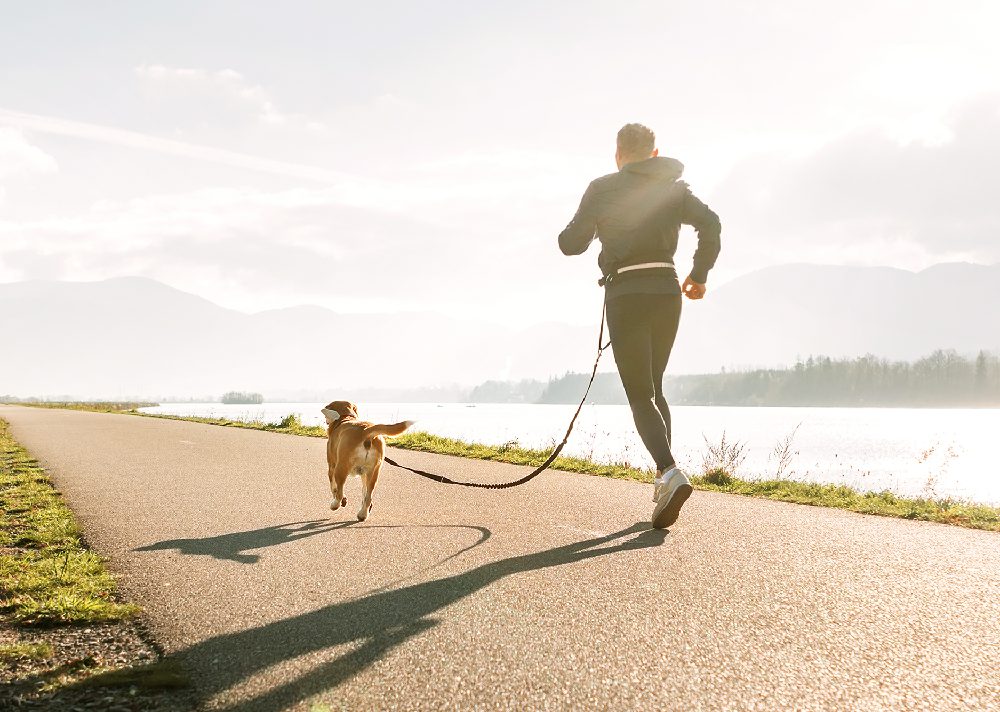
pixel 355 447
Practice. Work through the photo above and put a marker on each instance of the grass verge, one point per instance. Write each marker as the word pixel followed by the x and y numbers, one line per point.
pixel 162 675
pixel 885 503
pixel 96 406
pixel 47 576
pixel 24 651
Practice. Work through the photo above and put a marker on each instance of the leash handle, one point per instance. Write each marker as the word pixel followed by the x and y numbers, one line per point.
pixel 555 452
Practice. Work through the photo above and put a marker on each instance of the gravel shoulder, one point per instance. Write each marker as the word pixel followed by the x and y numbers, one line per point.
pixel 70 678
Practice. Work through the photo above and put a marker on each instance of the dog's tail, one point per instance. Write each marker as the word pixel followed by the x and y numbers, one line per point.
pixel 373 431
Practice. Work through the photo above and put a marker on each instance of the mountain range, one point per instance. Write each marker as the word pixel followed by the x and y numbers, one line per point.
pixel 137 337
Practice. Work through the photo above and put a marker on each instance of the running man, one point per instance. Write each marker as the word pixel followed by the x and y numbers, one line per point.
pixel 637 213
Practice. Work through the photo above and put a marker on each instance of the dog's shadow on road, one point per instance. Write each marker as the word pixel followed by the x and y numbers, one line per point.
pixel 232 546
pixel 370 626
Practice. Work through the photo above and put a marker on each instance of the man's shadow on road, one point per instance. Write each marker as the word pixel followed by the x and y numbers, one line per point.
pixel 376 623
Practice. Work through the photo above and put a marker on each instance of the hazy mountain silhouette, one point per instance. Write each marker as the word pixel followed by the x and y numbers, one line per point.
pixel 135 336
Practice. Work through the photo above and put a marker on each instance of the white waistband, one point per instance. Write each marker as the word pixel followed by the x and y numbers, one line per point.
pixel 644 265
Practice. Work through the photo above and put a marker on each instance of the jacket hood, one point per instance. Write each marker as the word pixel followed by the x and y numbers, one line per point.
pixel 658 166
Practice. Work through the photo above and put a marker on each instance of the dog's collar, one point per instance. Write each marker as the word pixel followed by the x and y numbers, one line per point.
pixel 336 418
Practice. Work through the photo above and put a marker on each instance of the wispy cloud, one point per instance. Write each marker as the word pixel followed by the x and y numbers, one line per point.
pixel 182 85
pixel 18 156
pixel 147 142
pixel 242 246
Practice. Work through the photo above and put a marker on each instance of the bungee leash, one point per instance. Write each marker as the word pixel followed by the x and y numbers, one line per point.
pixel 555 452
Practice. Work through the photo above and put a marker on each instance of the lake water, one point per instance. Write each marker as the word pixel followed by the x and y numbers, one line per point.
pixel 909 451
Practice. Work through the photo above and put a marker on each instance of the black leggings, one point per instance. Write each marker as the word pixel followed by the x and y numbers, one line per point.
pixel 642 328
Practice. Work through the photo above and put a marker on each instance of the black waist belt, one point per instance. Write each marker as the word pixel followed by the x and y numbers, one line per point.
pixel 610 276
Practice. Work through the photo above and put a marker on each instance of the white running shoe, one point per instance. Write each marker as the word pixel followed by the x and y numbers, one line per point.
pixel 658 480
pixel 672 493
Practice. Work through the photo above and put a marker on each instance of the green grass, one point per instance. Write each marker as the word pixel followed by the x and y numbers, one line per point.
pixel 47 576
pixel 96 406
pixel 162 675
pixel 17 652
pixel 885 503
pixel 511 453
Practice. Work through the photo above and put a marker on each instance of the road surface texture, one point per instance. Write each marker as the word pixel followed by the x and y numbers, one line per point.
pixel 554 595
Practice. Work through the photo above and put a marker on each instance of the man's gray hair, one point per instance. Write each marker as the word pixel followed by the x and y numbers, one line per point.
pixel 635 141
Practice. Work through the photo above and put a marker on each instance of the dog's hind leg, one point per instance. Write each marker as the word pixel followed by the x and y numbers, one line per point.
pixel 337 481
pixel 368 485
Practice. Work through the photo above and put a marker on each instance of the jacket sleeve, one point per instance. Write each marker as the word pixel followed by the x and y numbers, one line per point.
pixel 706 224
pixel 578 235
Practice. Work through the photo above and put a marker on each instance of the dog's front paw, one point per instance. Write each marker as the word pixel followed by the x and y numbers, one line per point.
pixel 334 505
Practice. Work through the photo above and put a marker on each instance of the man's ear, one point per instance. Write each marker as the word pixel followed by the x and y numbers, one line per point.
pixel 655 153
pixel 332 416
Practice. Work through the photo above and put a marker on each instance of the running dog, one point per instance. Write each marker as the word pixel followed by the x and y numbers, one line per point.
pixel 355 447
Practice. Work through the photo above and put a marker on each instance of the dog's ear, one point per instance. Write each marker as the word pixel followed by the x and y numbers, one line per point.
pixel 353 409
pixel 331 416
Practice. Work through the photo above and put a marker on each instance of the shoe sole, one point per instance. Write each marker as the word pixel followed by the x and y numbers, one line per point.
pixel 668 515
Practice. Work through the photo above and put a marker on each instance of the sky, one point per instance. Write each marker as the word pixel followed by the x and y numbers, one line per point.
pixel 397 156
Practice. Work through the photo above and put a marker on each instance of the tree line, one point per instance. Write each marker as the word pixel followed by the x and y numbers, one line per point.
pixel 242 398
pixel 942 379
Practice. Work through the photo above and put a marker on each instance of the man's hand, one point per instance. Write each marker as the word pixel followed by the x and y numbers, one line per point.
pixel 693 290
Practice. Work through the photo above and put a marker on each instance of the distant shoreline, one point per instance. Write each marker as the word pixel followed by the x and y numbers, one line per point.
pixel 114 407
pixel 942 380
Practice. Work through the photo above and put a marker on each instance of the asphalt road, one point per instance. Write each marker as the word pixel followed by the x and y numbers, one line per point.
pixel 554 595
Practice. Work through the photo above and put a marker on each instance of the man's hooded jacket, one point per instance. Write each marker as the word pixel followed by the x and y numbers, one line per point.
pixel 637 213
